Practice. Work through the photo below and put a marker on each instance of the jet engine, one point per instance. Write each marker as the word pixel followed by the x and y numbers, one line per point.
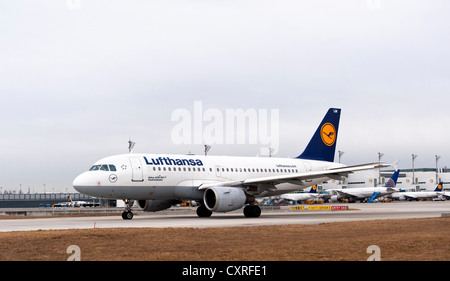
pixel 224 199
pixel 156 205
pixel 334 198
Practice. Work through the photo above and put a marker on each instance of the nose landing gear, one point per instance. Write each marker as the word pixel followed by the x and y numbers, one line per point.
pixel 127 214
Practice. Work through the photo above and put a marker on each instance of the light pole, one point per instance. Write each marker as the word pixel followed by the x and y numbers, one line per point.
pixel 340 153
pixel 380 155
pixel 207 148
pixel 437 169
pixel 413 156
pixel 131 145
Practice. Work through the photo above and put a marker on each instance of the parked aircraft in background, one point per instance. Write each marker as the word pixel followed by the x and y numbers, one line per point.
pixel 297 197
pixel 420 194
pixel 75 204
pixel 363 193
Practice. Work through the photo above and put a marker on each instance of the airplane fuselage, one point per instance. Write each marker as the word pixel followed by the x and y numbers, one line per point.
pixel 416 195
pixel 180 177
pixel 363 192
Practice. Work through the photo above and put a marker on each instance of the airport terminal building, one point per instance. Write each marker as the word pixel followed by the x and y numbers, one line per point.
pixel 45 200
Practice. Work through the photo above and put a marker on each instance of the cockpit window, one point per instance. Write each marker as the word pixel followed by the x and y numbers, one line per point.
pixel 94 168
pixel 103 167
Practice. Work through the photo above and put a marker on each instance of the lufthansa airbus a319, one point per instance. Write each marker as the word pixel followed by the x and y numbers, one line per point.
pixel 217 183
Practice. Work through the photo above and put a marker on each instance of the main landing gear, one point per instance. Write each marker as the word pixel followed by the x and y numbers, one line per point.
pixel 252 211
pixel 127 214
pixel 203 212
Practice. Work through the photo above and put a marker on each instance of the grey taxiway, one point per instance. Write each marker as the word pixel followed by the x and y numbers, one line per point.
pixel 188 218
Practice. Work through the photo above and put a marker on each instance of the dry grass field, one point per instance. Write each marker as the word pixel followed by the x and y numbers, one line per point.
pixel 399 240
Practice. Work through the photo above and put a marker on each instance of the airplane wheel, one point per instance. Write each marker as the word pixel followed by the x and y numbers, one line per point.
pixel 127 215
pixel 252 211
pixel 203 212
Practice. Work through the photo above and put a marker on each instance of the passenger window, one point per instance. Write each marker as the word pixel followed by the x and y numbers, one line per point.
pixel 112 168
pixel 104 168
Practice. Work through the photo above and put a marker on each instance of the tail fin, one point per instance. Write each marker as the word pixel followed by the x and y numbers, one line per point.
pixel 439 187
pixel 313 189
pixel 322 146
pixel 392 182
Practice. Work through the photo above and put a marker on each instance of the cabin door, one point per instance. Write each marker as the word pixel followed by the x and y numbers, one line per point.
pixel 136 169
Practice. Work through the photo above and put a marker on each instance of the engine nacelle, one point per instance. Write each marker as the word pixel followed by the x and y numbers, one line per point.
pixel 155 205
pixel 334 198
pixel 224 199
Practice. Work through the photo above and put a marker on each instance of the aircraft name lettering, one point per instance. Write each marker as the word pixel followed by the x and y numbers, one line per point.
pixel 175 162
pixel 286 166
pixel 157 178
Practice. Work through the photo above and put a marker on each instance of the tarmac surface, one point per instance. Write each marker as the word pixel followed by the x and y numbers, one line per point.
pixel 285 216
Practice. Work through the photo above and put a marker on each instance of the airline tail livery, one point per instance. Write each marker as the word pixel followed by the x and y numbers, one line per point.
pixel 218 183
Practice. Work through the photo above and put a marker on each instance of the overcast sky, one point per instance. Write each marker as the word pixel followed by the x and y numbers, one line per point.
pixel 78 78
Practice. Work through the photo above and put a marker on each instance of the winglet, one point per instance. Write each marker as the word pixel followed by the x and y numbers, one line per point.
pixel 395 165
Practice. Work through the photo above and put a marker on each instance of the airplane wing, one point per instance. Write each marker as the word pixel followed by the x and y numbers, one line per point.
pixel 392 189
pixel 269 183
pixel 410 196
pixel 346 193
pixel 446 195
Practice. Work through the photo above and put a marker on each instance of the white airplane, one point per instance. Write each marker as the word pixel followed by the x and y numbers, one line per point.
pixel 302 196
pixel 73 204
pixel 218 183
pixel 362 193
pixel 420 194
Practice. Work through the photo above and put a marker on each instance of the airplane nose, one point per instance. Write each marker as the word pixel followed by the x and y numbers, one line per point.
pixel 81 183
